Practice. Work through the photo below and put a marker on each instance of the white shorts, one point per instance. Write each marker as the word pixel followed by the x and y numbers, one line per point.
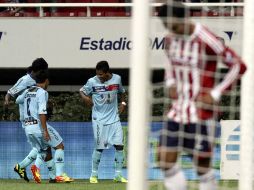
pixel 35 138
pixel 107 135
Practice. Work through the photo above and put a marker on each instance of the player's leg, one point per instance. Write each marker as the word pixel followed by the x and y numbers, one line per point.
pixel 50 163
pixel 96 157
pixel 100 134
pixel 115 136
pixel 57 143
pixel 167 157
pixel 36 140
pixel 202 159
pixel 20 168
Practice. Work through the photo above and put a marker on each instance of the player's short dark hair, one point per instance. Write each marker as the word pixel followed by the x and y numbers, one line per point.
pixel 176 9
pixel 41 76
pixel 102 66
pixel 39 64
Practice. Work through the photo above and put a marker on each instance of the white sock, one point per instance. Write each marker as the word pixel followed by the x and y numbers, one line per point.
pixel 208 181
pixel 175 179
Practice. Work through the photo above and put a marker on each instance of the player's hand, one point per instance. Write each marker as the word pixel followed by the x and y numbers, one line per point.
pixel 6 100
pixel 46 135
pixel 121 108
pixel 172 92
pixel 205 98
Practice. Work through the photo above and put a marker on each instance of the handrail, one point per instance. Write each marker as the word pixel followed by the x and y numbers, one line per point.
pixel 110 4
pixel 89 5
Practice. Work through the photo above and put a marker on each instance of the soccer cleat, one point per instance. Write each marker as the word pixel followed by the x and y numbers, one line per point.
pixel 64 179
pixel 21 172
pixel 52 180
pixel 93 179
pixel 36 174
pixel 120 179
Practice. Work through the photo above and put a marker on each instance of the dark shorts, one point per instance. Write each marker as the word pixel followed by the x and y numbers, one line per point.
pixel 192 138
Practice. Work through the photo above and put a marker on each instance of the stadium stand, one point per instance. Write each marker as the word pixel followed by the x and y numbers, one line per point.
pixel 97 11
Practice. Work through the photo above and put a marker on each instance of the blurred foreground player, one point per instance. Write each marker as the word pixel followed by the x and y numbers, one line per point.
pixel 193 53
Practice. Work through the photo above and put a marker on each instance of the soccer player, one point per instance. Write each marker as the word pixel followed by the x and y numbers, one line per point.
pixel 193 54
pixel 101 92
pixel 40 134
pixel 21 85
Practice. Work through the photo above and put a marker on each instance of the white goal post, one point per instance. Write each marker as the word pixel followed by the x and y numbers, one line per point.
pixel 247 101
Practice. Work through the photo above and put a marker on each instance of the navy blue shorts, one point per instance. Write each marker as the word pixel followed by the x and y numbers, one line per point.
pixel 192 138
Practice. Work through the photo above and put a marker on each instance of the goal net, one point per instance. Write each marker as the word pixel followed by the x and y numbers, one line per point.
pixel 201 136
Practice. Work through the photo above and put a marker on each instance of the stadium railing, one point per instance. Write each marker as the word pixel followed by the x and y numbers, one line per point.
pixel 108 9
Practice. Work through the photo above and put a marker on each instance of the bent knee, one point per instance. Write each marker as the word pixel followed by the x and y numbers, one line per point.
pixel 166 159
pixel 60 146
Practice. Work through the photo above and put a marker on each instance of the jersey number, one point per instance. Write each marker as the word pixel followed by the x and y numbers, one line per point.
pixel 28 103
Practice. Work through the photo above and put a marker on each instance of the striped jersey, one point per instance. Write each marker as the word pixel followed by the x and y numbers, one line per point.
pixel 192 69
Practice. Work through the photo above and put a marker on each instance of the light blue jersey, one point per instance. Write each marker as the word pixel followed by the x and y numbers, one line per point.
pixel 21 85
pixel 104 96
pixel 34 101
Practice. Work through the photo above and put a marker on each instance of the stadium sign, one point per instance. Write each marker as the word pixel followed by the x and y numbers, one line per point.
pixel 230 149
pixel 123 43
pixel 81 43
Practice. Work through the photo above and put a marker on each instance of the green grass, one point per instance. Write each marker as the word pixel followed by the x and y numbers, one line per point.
pixel 13 184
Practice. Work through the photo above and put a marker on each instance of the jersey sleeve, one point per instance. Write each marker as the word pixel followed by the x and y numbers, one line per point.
pixel 169 76
pixel 87 89
pixel 42 102
pixel 19 87
pixel 20 98
pixel 236 69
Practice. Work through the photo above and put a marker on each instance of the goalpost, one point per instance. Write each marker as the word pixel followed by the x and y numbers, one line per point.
pixel 247 98
pixel 140 92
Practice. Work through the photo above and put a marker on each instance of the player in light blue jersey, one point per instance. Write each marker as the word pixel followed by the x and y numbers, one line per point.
pixel 40 134
pixel 21 85
pixel 101 92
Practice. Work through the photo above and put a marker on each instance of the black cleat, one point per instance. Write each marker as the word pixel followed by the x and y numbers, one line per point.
pixel 52 180
pixel 21 172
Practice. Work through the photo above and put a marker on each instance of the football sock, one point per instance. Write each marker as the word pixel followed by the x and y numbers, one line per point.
pixel 29 159
pixel 96 157
pixel 39 160
pixel 175 179
pixel 208 181
pixel 59 162
pixel 118 162
pixel 52 169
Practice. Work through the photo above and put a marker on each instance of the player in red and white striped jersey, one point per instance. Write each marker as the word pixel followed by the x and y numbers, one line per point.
pixel 194 54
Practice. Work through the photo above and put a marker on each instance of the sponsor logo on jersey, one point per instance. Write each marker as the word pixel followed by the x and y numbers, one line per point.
pixel 111 87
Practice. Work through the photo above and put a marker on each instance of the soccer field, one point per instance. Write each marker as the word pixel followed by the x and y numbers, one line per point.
pixel 11 184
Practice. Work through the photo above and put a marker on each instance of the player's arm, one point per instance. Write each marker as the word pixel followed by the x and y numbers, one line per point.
pixel 7 99
pixel 20 98
pixel 122 96
pixel 86 92
pixel 123 104
pixel 42 110
pixel 14 91
pixel 87 99
pixel 170 81
pixel 43 119
pixel 236 70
